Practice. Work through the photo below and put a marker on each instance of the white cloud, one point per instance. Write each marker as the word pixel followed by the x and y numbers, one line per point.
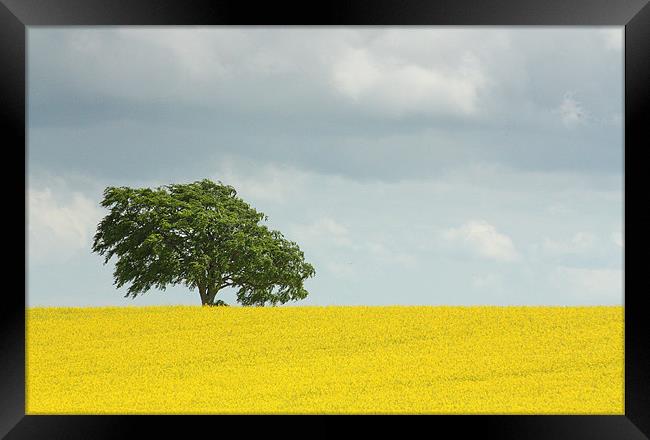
pixel 397 86
pixel 324 231
pixel 269 183
pixel 392 71
pixel 60 225
pixel 327 232
pixel 483 239
pixel 613 38
pixel 201 53
pixel 391 256
pixel 617 238
pixel 571 111
pixel 356 73
pixel 340 270
pixel 595 284
pixel 580 243
pixel 490 281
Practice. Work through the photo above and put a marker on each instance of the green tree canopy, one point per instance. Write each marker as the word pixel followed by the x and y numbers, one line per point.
pixel 203 236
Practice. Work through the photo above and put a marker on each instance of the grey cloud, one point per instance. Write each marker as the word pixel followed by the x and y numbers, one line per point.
pixel 146 101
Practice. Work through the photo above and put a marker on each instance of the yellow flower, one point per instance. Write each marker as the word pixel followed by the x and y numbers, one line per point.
pixel 397 359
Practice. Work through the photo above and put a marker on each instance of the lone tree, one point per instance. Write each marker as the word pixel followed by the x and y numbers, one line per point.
pixel 202 235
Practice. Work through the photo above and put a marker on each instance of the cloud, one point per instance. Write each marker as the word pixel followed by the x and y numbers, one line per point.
pixel 382 103
pixel 147 63
pixel 397 86
pixel 582 249
pixel 324 231
pixel 590 284
pixel 386 255
pixel 580 243
pixel 490 281
pixel 206 66
pixel 617 238
pixel 60 225
pixel 571 111
pixel 268 183
pixel 484 240
pixel 328 233
pixel 341 270
pixel 613 38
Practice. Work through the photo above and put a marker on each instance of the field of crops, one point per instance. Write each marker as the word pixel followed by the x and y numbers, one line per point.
pixel 436 360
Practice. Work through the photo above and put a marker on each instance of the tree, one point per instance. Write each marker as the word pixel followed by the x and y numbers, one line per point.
pixel 203 236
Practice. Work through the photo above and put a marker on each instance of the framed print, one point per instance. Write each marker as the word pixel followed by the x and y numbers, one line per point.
pixel 341 209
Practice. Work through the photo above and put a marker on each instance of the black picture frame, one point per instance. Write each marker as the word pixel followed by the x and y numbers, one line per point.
pixel 17 15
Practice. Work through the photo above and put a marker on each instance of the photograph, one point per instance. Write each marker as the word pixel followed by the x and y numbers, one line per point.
pixel 325 220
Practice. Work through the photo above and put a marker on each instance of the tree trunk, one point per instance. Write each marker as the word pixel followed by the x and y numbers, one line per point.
pixel 204 296
pixel 211 294
pixel 207 295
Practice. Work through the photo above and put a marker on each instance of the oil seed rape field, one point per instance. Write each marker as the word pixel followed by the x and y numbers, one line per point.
pixel 332 360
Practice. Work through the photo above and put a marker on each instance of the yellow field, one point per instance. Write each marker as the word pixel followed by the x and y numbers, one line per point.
pixel 436 360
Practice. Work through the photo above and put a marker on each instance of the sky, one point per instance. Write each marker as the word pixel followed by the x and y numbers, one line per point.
pixel 412 165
